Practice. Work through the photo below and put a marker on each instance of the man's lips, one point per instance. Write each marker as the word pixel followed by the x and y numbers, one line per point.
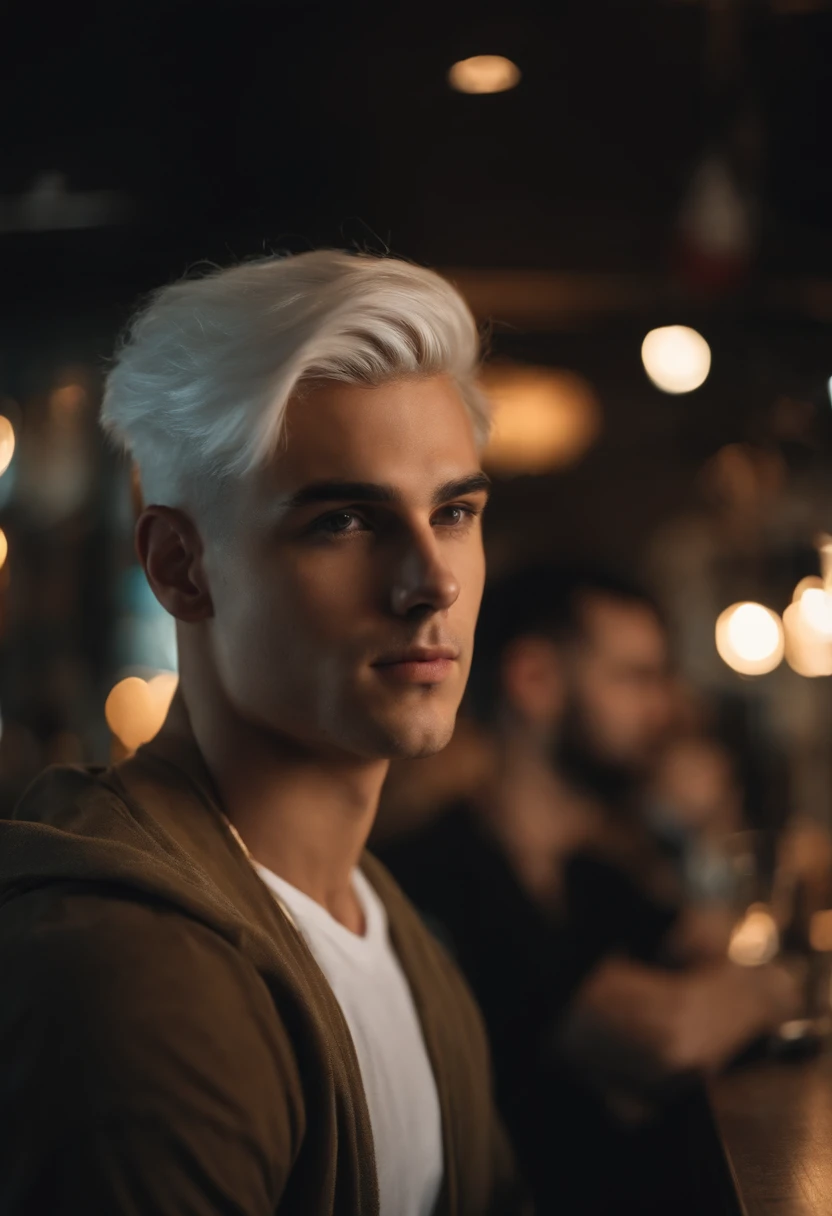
pixel 418 664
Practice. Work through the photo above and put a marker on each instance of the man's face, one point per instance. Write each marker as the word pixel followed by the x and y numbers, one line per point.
pixel 360 541
pixel 620 687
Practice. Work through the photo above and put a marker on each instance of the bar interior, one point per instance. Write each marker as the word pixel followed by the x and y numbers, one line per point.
pixel 626 846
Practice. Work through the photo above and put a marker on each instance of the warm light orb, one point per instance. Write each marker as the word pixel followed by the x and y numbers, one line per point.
pixel 749 638
pixel 755 940
pixel 808 649
pixel 162 688
pixel 820 931
pixel 811 582
pixel 4 548
pixel 816 609
pixel 677 359
pixel 543 419
pixel 484 74
pixel 808 625
pixel 6 443
pixel 136 709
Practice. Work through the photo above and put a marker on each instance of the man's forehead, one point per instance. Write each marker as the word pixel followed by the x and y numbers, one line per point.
pixel 406 439
pixel 333 413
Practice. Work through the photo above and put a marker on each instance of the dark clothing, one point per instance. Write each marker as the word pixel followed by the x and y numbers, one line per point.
pixel 525 967
pixel 168 1045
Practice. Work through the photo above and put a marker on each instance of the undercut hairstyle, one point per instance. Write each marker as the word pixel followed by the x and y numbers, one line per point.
pixel 545 601
pixel 198 389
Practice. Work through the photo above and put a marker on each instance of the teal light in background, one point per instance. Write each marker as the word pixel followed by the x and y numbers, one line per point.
pixel 145 634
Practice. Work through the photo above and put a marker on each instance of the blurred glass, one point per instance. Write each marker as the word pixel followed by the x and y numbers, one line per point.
pixel 775 899
pixel 749 858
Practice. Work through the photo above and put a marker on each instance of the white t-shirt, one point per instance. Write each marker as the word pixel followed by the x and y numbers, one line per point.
pixel 377 1004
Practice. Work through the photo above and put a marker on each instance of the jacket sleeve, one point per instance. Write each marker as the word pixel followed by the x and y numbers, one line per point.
pixel 142 1069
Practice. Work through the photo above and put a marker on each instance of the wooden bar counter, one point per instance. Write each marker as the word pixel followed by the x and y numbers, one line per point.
pixel 774 1121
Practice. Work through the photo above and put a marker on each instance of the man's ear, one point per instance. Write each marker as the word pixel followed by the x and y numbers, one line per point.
pixel 169 548
pixel 533 680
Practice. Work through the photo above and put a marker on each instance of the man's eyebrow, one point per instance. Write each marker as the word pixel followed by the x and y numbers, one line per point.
pixel 474 483
pixel 318 492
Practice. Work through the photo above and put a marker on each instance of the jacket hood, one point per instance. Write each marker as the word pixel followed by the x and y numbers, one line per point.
pixel 150 827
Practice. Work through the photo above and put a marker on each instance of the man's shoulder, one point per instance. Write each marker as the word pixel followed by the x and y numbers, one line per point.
pixel 59 790
pixel 111 965
pixel 72 924
pixel 138 1049
pixel 134 1002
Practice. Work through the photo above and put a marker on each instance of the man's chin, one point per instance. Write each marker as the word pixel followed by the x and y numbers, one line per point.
pixel 416 740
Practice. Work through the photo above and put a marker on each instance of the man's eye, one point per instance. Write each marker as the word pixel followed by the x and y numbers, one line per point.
pixel 338 523
pixel 456 516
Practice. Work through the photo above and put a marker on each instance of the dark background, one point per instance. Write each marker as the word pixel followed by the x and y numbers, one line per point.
pixel 226 130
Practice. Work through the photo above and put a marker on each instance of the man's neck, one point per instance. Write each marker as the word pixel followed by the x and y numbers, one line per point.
pixel 302 816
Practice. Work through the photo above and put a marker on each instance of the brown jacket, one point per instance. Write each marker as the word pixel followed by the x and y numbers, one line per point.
pixel 168 1044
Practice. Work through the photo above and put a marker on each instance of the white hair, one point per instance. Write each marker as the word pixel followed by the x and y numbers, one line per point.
pixel 199 387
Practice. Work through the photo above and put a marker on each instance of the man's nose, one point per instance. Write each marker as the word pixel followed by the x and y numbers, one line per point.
pixel 423 578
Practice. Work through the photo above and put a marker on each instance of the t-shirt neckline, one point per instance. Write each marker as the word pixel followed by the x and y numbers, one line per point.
pixel 309 911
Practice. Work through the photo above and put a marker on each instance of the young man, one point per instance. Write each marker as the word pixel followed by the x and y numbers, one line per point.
pixel 213 1000
pixel 601 1005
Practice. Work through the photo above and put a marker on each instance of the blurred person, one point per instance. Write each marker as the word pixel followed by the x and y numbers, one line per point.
pixel 695 789
pixel 563 912
pixel 695 808
pixel 214 1000
pixel 616 680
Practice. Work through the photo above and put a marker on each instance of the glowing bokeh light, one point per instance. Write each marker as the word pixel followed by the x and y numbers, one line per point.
pixel 484 74
pixel 4 548
pixel 677 359
pixel 808 650
pixel 755 940
pixel 6 443
pixel 810 583
pixel 749 638
pixel 136 709
pixel 162 688
pixel 816 609
pixel 820 931
pixel 544 419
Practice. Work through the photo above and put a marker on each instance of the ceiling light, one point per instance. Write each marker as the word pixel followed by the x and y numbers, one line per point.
pixel 484 74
